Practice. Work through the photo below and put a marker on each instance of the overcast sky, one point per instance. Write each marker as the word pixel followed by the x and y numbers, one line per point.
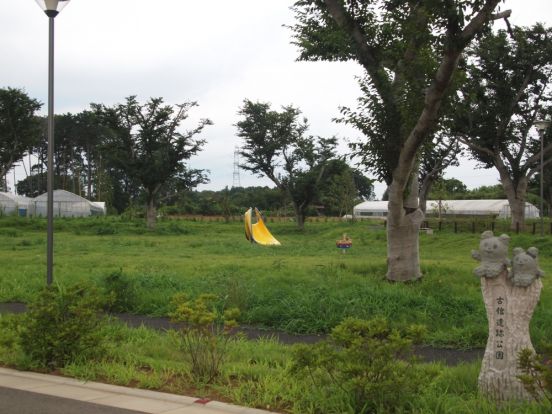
pixel 215 52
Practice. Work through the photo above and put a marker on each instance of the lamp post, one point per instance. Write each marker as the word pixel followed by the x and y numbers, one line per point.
pixel 541 126
pixel 52 9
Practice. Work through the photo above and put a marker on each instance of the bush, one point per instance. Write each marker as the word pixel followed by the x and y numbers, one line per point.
pixel 365 360
pixel 537 374
pixel 106 230
pixel 62 325
pixel 120 291
pixel 205 333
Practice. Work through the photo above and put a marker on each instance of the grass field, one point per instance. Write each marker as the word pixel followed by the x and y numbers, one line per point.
pixel 304 286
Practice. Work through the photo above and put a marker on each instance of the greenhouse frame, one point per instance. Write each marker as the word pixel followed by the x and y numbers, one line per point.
pixel 13 204
pixel 66 204
pixel 495 208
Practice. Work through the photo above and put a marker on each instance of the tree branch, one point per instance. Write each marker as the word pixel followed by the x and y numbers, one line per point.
pixel 436 93
pixel 364 52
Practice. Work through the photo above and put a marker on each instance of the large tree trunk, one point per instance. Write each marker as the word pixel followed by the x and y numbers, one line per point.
pixel 516 193
pixel 300 217
pixel 403 256
pixel 403 229
pixel 517 209
pixel 424 193
pixel 151 213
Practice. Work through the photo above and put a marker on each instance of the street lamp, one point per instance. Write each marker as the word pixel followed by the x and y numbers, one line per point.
pixel 52 9
pixel 541 126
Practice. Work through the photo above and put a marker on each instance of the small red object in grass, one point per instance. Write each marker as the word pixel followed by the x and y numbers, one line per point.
pixel 202 401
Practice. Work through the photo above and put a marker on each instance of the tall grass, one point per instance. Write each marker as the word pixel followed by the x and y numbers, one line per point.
pixel 304 286
pixel 257 374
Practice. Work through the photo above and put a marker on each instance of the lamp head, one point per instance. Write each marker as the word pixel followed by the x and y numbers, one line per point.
pixel 52 7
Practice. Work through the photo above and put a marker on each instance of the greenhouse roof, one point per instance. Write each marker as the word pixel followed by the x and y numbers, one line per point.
pixel 62 195
pixel 14 197
pixel 452 205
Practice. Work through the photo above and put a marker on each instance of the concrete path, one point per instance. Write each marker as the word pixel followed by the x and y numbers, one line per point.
pixel 91 397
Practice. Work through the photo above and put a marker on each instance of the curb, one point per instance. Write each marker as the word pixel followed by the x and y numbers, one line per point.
pixel 115 395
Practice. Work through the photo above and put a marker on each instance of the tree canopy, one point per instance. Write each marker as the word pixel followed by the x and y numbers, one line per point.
pixel 276 146
pixel 507 88
pixel 19 126
pixel 144 143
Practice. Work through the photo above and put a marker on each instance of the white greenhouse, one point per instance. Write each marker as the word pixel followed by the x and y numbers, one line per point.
pixel 496 208
pixel 66 204
pixel 13 204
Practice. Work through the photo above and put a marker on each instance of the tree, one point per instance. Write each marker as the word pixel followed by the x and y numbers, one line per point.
pixel 410 52
pixel 181 183
pixel 19 127
pixel 451 188
pixel 89 135
pixel 345 189
pixel 275 146
pixel 34 185
pixel 508 87
pixel 144 143
pixel 436 157
pixel 485 192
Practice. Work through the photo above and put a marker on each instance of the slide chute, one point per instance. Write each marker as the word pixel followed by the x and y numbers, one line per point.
pixel 258 232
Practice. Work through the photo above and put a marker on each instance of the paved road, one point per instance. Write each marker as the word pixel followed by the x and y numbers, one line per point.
pixel 23 402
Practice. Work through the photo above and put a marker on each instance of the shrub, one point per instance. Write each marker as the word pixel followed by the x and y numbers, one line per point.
pixel 204 334
pixel 120 291
pixel 62 325
pixel 367 361
pixel 537 373
pixel 106 230
pixel 9 331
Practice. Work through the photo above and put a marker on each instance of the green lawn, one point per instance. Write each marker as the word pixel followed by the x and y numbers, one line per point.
pixel 304 286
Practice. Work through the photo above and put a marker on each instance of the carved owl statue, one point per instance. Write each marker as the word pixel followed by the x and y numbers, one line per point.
pixel 492 254
pixel 525 267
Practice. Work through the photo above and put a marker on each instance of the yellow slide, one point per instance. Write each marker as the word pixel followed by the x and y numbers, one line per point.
pixel 257 232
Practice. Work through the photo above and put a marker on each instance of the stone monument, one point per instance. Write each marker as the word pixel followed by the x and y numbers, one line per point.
pixel 510 298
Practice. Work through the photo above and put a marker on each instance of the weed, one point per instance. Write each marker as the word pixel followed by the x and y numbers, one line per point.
pixel 537 375
pixel 205 334
pixel 121 291
pixel 9 232
pixel 106 230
